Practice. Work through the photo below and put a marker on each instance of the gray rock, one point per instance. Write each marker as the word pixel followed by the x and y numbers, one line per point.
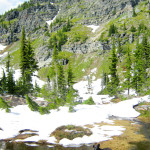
pixel 86 47
pixel 142 108
pixel 131 38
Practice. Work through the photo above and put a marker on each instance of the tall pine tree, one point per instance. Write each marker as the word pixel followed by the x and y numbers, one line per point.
pixel 128 76
pixel 70 76
pixel 10 83
pixel 27 63
pixel 61 83
pixel 139 70
pixel 23 52
pixel 114 80
pixel 146 51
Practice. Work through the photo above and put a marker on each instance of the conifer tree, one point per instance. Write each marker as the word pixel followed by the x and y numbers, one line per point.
pixel 119 49
pixel 68 25
pixel 128 76
pixel 3 82
pixel 114 80
pixel 31 63
pixel 139 70
pixel 23 52
pixel 61 83
pixel 10 83
pixel 27 63
pixel 70 76
pixel 124 27
pixel 55 54
pixel 112 30
pixel 146 51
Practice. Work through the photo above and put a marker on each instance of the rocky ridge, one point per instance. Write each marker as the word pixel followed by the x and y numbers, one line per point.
pixel 34 18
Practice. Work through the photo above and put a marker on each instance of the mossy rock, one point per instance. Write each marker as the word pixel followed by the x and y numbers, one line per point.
pixel 70 132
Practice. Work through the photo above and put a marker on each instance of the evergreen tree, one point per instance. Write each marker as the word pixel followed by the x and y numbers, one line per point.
pixel 10 83
pixel 61 83
pixel 146 51
pixel 55 54
pixel 68 25
pixel 27 63
pixel 23 53
pixel 112 30
pixel 114 80
pixel 119 49
pixel 124 27
pixel 70 76
pixel 139 70
pixel 128 76
pixel 31 64
pixel 3 82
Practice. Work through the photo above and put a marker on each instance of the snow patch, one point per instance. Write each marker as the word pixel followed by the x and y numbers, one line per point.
pixel 4 54
pixel 94 70
pixel 94 28
pixel 51 21
pixel 2 47
pixel 84 92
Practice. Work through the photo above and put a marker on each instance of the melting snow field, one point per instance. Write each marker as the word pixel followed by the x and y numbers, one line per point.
pixel 21 117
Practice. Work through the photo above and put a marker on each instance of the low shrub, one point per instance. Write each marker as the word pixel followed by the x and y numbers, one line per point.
pixel 89 101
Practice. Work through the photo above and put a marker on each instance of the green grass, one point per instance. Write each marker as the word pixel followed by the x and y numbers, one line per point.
pixel 10 22
pixel 15 58
pixel 78 33
pixel 14 50
pixel 37 43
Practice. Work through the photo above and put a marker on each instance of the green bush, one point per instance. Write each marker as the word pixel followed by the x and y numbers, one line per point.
pixel 71 109
pixel 44 110
pixel 89 101
pixel 4 105
pixel 133 29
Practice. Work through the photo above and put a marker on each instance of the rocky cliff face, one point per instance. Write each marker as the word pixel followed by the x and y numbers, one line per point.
pixel 33 17
pixel 97 11
pixel 39 11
